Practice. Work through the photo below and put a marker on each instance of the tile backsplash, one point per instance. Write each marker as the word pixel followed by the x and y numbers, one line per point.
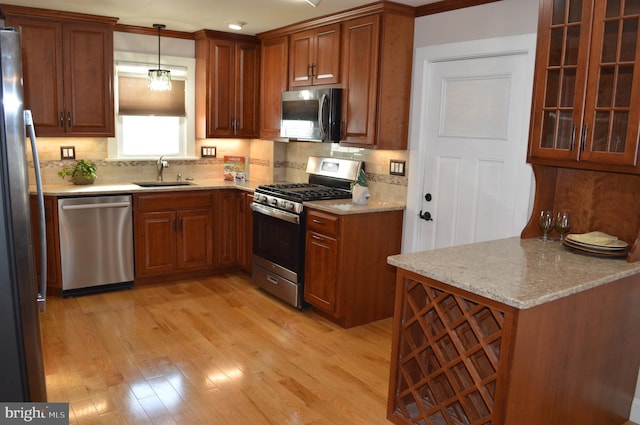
pixel 268 161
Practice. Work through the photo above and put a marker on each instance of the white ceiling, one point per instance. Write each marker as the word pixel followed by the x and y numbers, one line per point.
pixel 194 15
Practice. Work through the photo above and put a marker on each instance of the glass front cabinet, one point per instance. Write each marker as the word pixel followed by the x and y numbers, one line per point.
pixel 586 107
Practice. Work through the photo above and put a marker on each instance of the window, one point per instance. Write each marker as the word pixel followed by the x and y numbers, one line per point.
pixel 151 124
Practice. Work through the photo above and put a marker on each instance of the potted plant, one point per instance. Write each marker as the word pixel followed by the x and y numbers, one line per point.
pixel 82 172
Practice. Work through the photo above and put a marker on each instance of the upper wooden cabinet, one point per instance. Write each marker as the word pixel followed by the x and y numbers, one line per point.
pixel 377 54
pixel 227 85
pixel 67 62
pixel 314 57
pixel 275 53
pixel 587 77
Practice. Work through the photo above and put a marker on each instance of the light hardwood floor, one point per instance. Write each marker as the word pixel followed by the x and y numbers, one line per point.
pixel 211 351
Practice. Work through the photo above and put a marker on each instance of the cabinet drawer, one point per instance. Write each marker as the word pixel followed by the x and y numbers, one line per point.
pixel 172 201
pixel 322 222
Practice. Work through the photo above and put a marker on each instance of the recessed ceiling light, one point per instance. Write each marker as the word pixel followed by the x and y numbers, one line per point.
pixel 237 26
pixel 313 3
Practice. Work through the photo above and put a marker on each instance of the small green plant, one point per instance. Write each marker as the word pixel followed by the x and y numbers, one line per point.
pixel 81 169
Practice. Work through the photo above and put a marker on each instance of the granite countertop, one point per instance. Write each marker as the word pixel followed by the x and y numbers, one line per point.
pixel 340 206
pixel 345 206
pixel 521 273
pixel 68 189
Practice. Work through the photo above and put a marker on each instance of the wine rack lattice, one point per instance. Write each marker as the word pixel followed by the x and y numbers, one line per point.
pixel 449 350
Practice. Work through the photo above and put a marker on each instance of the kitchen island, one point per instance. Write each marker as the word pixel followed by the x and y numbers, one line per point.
pixel 514 331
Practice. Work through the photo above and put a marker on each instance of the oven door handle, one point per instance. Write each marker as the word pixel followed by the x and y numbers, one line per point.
pixel 276 213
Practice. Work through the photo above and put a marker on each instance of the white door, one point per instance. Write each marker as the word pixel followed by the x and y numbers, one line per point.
pixel 470 182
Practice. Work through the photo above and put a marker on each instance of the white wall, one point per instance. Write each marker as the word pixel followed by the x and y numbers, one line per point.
pixel 498 19
pixel 492 20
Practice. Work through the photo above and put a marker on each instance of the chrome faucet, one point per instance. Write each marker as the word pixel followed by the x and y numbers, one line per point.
pixel 160 166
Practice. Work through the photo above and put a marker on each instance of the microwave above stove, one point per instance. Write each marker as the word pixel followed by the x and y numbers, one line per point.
pixel 312 115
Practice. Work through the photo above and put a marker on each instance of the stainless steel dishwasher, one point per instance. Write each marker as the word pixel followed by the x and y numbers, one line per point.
pixel 96 243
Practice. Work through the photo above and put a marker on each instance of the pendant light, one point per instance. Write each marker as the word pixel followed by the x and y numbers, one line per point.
pixel 159 79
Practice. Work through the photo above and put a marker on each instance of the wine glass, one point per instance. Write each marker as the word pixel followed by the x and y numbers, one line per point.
pixel 562 224
pixel 546 224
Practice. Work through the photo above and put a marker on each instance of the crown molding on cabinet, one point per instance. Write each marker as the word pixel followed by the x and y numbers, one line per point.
pixel 448 5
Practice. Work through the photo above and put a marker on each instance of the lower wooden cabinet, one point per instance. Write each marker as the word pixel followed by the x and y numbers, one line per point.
pixel 460 358
pixel 173 233
pixel 347 277
pixel 54 280
pixel 245 232
pixel 226 204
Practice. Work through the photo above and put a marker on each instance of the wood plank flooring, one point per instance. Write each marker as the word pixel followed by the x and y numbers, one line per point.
pixel 211 351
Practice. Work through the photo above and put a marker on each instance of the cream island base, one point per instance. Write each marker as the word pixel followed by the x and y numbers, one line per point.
pixel 514 332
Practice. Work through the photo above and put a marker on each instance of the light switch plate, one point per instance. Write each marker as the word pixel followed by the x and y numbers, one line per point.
pixel 208 152
pixel 397 168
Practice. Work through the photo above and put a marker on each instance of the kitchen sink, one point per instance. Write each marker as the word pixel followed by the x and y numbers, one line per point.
pixel 162 184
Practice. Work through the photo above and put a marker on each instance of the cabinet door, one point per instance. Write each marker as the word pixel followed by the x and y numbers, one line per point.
pixel 326 66
pixel 314 57
pixel 274 81
pixel 560 78
pixel 301 58
pixel 321 265
pixel 51 229
pixel 155 240
pixel 194 241
pixel 245 232
pixel 221 85
pixel 612 110
pixel 247 103
pixel 226 212
pixel 42 67
pixel 360 51
pixel 88 53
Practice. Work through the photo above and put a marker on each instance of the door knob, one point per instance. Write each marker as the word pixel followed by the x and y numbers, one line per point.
pixel 425 215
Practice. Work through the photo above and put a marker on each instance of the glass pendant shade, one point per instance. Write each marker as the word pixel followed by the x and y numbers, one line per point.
pixel 159 79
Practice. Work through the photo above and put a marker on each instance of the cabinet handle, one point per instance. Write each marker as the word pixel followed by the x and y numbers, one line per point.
pixel 69 119
pixel 180 224
pixel 573 136
pixel 272 279
pixel 318 238
pixel 583 142
pixel 61 120
pixel 313 70
pixel 319 222
pixel 173 222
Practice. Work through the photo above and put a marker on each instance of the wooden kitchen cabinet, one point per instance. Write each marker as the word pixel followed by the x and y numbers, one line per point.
pixel 274 77
pixel 227 85
pixel 67 62
pixel 587 78
pixel 245 232
pixel 314 56
pixel 173 234
pixel 460 358
pixel 54 279
pixel 347 278
pixel 227 220
pixel 377 56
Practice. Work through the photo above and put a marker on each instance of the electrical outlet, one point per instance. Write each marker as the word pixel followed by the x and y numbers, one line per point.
pixel 67 152
pixel 397 168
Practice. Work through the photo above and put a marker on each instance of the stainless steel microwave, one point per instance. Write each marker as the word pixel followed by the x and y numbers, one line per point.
pixel 312 115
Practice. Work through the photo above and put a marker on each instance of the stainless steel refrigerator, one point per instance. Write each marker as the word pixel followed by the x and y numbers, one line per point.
pixel 21 364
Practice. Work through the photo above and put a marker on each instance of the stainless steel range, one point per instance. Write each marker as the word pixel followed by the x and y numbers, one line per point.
pixel 279 224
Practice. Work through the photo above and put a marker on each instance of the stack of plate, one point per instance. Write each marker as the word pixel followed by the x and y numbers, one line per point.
pixel 597 243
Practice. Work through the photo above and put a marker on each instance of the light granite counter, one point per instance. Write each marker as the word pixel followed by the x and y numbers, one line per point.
pixel 345 206
pixel 522 273
pixel 68 189
pixel 340 206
